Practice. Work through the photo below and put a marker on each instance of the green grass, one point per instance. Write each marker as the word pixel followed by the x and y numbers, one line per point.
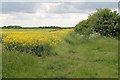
pixel 0 61
pixel 77 57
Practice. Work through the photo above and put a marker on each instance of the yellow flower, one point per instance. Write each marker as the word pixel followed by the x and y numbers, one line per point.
pixel 33 38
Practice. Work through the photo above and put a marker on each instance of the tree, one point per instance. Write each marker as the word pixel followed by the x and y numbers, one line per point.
pixel 12 27
pixel 104 21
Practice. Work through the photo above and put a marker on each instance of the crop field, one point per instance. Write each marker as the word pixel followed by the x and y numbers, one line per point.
pixel 29 40
pixel 57 53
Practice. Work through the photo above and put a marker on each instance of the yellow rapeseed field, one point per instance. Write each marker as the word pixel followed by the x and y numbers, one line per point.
pixel 31 38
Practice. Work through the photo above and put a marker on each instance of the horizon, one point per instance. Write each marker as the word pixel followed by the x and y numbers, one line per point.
pixel 37 26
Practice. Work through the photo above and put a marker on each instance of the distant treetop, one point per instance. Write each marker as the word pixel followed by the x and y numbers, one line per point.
pixel 12 27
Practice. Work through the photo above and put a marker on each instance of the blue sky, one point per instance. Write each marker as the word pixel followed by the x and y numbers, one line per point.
pixel 31 14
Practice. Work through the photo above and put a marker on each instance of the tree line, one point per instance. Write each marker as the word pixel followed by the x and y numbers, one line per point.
pixel 40 27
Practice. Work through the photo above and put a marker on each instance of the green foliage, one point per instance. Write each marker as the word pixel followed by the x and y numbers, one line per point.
pixel 104 22
pixel 78 57
pixel 49 27
pixel 82 27
pixel 54 27
pixel 40 50
pixel 12 27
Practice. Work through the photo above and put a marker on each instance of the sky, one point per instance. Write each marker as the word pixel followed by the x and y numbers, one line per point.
pixel 64 14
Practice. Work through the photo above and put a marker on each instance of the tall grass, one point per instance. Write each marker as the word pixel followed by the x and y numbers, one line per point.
pixel 77 57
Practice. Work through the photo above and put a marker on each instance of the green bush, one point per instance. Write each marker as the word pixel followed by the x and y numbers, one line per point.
pixel 104 21
pixel 40 50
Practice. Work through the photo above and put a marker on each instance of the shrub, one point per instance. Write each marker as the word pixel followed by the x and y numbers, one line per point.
pixel 104 21
pixel 38 50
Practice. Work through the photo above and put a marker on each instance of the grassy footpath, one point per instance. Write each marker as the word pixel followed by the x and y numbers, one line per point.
pixel 77 57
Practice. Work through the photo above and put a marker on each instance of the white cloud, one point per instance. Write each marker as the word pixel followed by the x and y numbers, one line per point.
pixel 42 16
pixel 5 17
pixel 38 19
pixel 60 14
pixel 115 10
